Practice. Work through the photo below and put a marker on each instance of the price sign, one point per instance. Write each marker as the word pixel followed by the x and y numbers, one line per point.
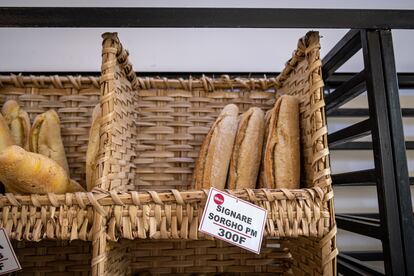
pixel 8 259
pixel 233 220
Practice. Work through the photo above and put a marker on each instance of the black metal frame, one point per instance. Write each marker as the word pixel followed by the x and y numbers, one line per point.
pixel 370 32
pixel 349 265
pixel 394 227
pixel 204 18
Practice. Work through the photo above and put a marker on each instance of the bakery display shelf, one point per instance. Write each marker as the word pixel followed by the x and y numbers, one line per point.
pixel 371 33
pixel 124 207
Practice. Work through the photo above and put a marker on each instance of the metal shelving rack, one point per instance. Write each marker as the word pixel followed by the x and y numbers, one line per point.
pixel 371 32
pixel 394 227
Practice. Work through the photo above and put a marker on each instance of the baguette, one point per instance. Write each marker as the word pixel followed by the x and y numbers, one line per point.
pixel 18 122
pixel 266 134
pixel 6 139
pixel 247 150
pixel 45 138
pixel 93 147
pixel 281 162
pixel 27 172
pixel 215 153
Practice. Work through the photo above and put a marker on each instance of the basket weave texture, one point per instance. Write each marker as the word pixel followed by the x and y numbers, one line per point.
pixel 151 131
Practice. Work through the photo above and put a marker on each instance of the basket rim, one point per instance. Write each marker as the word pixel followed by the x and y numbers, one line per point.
pixel 22 80
pixel 189 83
pixel 99 198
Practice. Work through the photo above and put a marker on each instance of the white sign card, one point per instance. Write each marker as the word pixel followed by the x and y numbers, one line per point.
pixel 8 259
pixel 233 220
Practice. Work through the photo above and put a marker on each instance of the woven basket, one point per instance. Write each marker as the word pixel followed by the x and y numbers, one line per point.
pixel 54 257
pixel 41 226
pixel 151 132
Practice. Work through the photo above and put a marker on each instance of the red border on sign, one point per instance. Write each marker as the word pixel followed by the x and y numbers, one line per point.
pixel 244 201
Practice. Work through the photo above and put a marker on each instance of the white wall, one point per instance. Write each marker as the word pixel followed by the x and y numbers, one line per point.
pixel 223 50
pixel 177 49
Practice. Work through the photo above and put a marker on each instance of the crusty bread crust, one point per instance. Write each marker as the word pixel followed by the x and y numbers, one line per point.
pixel 45 138
pixel 215 153
pixel 18 122
pixel 6 139
pixel 267 118
pixel 281 163
pixel 247 150
pixel 27 172
pixel 287 153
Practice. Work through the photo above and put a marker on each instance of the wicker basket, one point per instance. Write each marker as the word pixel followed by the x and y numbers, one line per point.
pixel 54 257
pixel 42 226
pixel 150 135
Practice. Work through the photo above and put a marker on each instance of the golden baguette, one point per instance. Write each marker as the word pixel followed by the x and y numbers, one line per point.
pixel 18 121
pixel 215 153
pixel 27 172
pixel 247 150
pixel 93 147
pixel 45 138
pixel 6 139
pixel 281 163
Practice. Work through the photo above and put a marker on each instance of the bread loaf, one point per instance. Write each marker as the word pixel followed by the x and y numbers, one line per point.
pixel 215 153
pixel 6 139
pixel 45 138
pixel 27 172
pixel 18 122
pixel 281 162
pixel 247 150
pixel 93 147
pixel 267 117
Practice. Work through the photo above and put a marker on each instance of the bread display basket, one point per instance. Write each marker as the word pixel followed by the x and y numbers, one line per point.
pixel 143 214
